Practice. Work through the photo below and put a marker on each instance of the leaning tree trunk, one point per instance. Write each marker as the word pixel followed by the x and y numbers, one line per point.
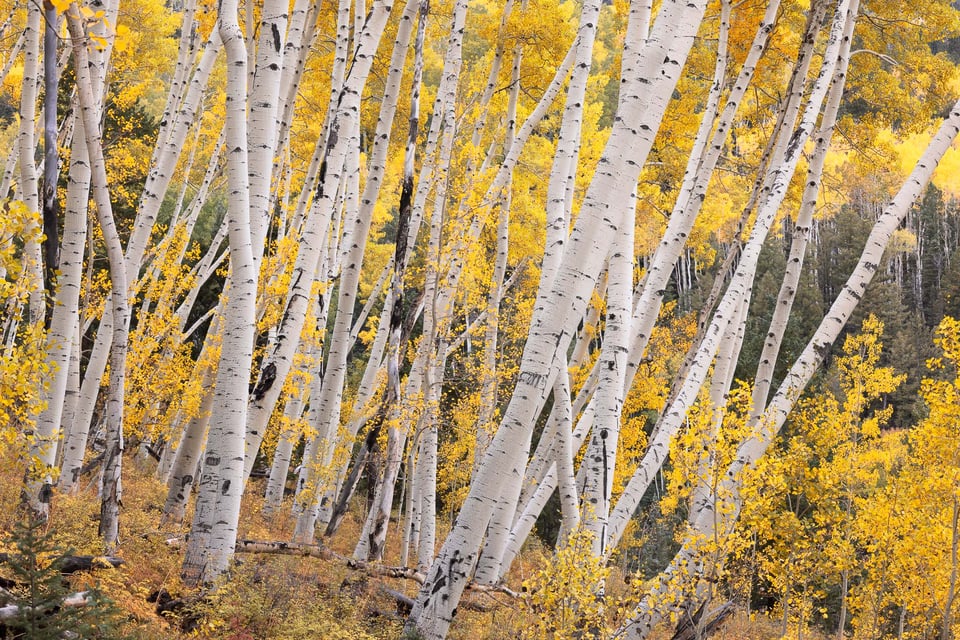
pixel 770 423
pixel 374 534
pixel 65 321
pixel 739 288
pixel 556 314
pixel 601 453
pixel 801 233
pixel 162 168
pixel 183 469
pixel 276 366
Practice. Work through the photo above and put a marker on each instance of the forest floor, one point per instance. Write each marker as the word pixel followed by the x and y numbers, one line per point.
pixel 272 596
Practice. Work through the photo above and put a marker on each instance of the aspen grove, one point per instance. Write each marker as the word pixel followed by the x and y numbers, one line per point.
pixel 661 292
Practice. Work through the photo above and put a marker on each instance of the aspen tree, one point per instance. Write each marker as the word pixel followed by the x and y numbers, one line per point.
pixel 769 424
pixel 564 167
pixel 300 33
pixel 800 234
pixel 738 289
pixel 488 392
pixel 43 442
pixel 278 362
pixel 325 416
pixel 601 454
pixel 158 179
pixel 262 127
pixel 111 486
pixel 27 148
pixel 183 468
pixel 64 321
pixel 499 526
pixel 436 314
pixel 213 533
pixel 556 315
pixel 373 536
pixel 653 286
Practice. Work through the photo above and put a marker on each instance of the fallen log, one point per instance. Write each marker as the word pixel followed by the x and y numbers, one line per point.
pixel 79 599
pixel 285 548
pixel 73 564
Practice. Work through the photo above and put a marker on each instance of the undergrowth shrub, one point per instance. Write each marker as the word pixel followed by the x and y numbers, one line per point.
pixel 566 595
pixel 272 598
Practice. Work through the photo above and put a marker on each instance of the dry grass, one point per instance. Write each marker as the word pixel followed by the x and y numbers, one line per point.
pixel 282 597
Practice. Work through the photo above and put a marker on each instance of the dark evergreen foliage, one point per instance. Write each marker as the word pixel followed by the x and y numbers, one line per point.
pixel 34 584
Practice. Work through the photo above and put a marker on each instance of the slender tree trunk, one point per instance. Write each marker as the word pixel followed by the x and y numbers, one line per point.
pixel 66 311
pixel 344 136
pixel 162 167
pixel 64 321
pixel 556 315
pixel 373 538
pixel 801 234
pixel 277 365
pixel 601 454
pixel 51 155
pixel 738 290
pixel 812 356
pixel 277 482
pixel 28 169
pixel 182 475
pixel 262 138
pixel 90 109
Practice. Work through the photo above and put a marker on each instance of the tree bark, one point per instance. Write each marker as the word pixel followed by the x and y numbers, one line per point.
pixel 111 488
pixel 213 533
pixel 556 315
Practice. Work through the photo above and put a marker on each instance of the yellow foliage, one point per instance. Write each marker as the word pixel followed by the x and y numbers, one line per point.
pixel 23 365
pixel 805 500
pixel 161 388
pixel 567 595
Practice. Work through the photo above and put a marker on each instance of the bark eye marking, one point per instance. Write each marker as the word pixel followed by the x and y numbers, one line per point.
pixel 276 37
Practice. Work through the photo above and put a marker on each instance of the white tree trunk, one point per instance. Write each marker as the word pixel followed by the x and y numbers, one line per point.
pixel 158 179
pixel 262 118
pixel 43 443
pixel 326 417
pixel 90 110
pixel 739 289
pixel 750 451
pixel 601 454
pixel 183 468
pixel 277 482
pixel 374 534
pixel 214 531
pixel 801 234
pixel 29 185
pixel 556 314
pixel 67 303
pixel 293 319
pixel 65 320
